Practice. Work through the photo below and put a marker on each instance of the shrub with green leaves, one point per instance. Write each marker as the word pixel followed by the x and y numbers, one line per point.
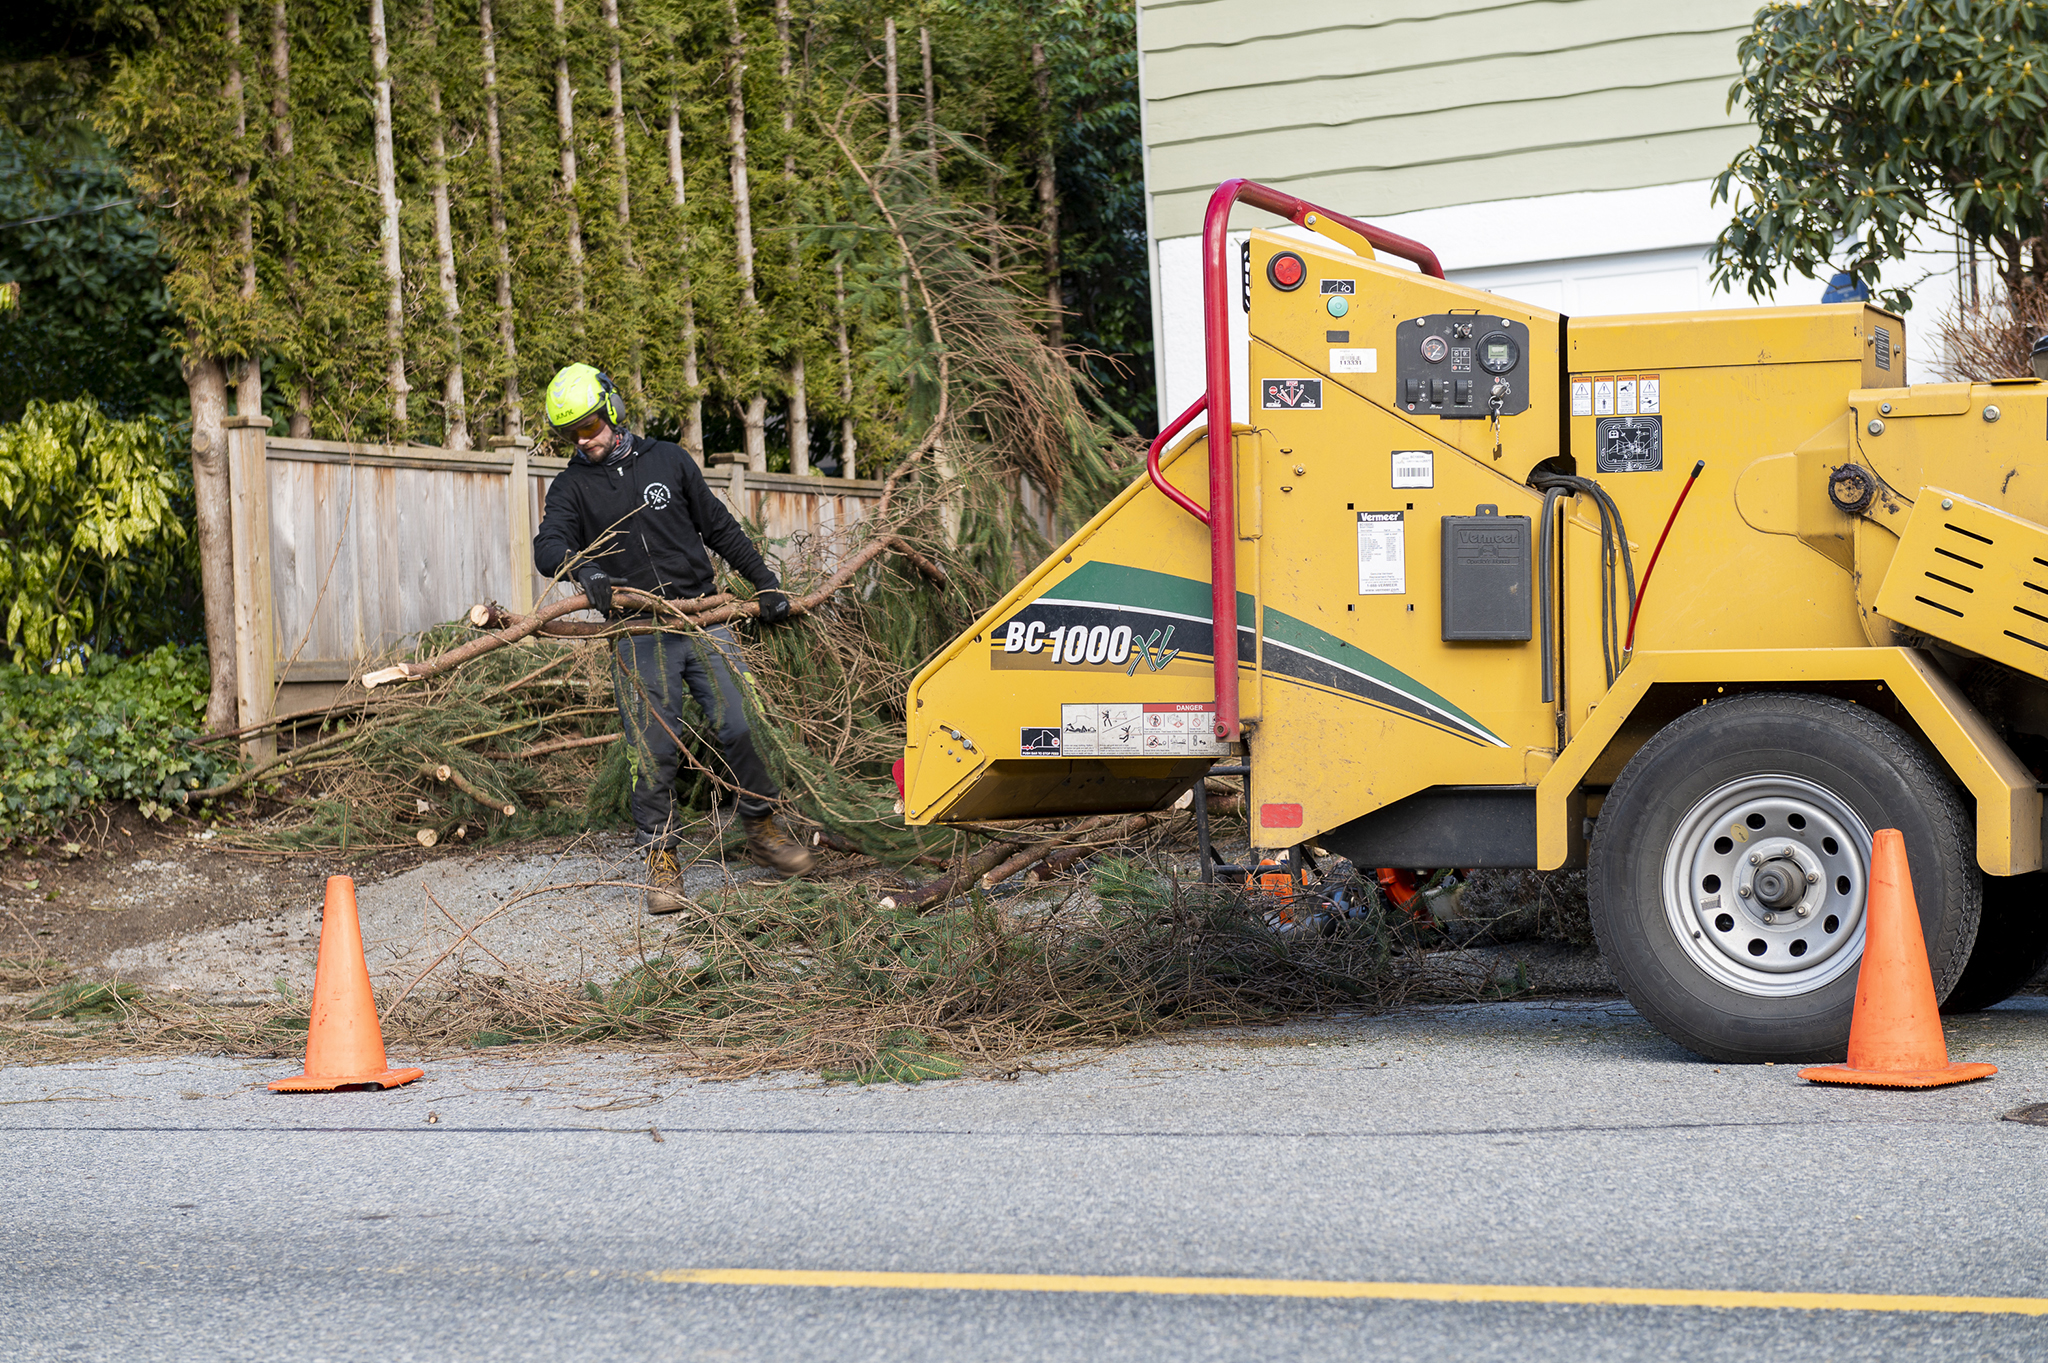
pixel 1879 121
pixel 92 549
pixel 114 731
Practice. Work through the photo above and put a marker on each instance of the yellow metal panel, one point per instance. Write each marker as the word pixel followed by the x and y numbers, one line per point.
pixel 1974 576
pixel 1942 434
pixel 1705 340
pixel 2008 805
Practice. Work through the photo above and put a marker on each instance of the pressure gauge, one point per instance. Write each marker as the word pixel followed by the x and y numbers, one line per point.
pixel 1498 353
pixel 1434 348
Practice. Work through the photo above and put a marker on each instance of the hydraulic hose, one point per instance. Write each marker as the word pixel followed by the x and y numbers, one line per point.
pixel 1628 645
pixel 1546 533
pixel 1613 551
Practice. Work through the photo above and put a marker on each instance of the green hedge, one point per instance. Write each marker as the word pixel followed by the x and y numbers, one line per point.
pixel 116 731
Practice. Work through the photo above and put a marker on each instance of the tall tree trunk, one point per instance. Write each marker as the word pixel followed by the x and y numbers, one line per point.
pixel 565 126
pixel 495 147
pixel 931 118
pixel 249 372
pixel 799 395
pixel 281 125
pixel 889 87
pixel 454 399
pixel 756 416
pixel 1048 198
pixel 615 79
pixel 693 412
pixel 206 383
pixel 895 148
pixel 387 192
pixel 849 447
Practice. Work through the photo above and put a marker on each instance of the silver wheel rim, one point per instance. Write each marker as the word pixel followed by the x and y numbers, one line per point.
pixel 1764 883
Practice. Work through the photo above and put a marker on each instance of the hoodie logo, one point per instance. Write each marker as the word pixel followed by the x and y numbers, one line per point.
pixel 657 495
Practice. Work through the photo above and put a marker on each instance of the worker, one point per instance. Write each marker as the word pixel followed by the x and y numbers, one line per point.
pixel 633 511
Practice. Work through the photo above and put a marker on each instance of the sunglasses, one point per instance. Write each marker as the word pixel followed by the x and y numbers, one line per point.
pixel 588 427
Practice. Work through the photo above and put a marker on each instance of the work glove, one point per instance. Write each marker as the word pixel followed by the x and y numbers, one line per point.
pixel 598 587
pixel 774 606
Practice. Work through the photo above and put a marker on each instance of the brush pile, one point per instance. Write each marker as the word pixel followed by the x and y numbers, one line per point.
pixel 826 977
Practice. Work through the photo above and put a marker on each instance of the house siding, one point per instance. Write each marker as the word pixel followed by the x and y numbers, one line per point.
pixel 1377 107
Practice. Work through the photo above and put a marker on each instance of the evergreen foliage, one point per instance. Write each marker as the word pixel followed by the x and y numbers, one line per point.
pixel 294 153
pixel 1876 121
pixel 115 731
pixel 94 554
pixel 93 314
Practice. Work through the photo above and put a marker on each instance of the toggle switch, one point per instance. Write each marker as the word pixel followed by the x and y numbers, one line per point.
pixel 1461 392
pixel 1439 392
pixel 1415 390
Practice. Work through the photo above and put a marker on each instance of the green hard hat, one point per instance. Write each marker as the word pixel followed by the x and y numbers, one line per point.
pixel 578 390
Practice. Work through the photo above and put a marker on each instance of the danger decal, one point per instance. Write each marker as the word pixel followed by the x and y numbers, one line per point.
pixel 1303 395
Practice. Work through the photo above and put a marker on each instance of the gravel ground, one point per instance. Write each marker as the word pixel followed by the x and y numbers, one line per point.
pixel 589 926
pixel 580 921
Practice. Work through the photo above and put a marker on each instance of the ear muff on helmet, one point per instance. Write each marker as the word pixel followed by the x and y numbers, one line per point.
pixel 578 392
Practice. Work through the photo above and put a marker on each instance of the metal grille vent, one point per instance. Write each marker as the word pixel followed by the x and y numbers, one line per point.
pixel 1974 576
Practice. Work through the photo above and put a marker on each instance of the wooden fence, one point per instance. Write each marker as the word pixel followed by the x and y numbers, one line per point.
pixel 344 552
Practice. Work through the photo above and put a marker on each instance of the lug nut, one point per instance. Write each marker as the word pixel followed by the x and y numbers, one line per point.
pixel 1744 892
pixel 1756 858
pixel 1813 877
pixel 1804 910
pixel 1770 918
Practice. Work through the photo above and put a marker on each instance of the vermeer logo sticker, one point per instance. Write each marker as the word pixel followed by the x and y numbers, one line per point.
pixel 1292 394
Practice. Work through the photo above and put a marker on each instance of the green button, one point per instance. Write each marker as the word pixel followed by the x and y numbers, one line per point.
pixel 1338 305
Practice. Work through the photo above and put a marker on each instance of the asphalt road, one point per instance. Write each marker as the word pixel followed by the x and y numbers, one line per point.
pixel 522 1208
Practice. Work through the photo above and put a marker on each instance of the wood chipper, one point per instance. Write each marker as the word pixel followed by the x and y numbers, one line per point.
pixel 1697 601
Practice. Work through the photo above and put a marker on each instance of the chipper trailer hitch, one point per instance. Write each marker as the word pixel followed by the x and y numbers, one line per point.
pixel 1393 576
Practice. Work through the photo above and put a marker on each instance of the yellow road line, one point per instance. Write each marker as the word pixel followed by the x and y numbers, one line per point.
pixel 1294 1287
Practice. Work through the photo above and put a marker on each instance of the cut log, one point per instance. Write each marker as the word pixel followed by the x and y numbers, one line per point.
pixel 445 773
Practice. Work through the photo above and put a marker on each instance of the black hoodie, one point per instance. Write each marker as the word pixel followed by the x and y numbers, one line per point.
pixel 655 497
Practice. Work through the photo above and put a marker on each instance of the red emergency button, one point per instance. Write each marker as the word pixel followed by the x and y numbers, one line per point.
pixel 1286 271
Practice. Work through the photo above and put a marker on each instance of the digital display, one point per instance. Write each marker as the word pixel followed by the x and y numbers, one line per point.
pixel 1497 354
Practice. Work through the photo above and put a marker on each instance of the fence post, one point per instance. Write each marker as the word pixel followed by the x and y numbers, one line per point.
pixel 249 535
pixel 518 518
pixel 736 490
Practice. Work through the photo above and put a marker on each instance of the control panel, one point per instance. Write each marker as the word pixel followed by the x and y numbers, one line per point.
pixel 1461 365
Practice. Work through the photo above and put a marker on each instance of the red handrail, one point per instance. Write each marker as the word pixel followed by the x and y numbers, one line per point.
pixel 1159 442
pixel 1221 517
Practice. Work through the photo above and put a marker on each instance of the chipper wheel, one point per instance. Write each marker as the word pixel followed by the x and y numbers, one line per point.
pixel 1730 864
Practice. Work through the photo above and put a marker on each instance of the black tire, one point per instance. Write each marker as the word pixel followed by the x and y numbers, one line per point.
pixel 2012 943
pixel 1804 779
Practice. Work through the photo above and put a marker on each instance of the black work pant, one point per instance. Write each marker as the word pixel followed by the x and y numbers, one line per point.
pixel 651 674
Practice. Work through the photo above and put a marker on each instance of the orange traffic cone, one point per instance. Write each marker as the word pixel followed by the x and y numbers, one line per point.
pixel 1895 1034
pixel 344 1045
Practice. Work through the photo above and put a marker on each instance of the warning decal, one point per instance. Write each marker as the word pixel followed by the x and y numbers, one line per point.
pixel 1291 394
pixel 1617 395
pixel 1141 729
pixel 1037 742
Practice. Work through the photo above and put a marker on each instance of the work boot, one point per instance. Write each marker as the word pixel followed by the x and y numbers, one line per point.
pixel 773 848
pixel 664 883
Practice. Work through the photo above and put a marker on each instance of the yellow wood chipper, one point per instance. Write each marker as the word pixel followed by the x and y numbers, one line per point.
pixel 1696 601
